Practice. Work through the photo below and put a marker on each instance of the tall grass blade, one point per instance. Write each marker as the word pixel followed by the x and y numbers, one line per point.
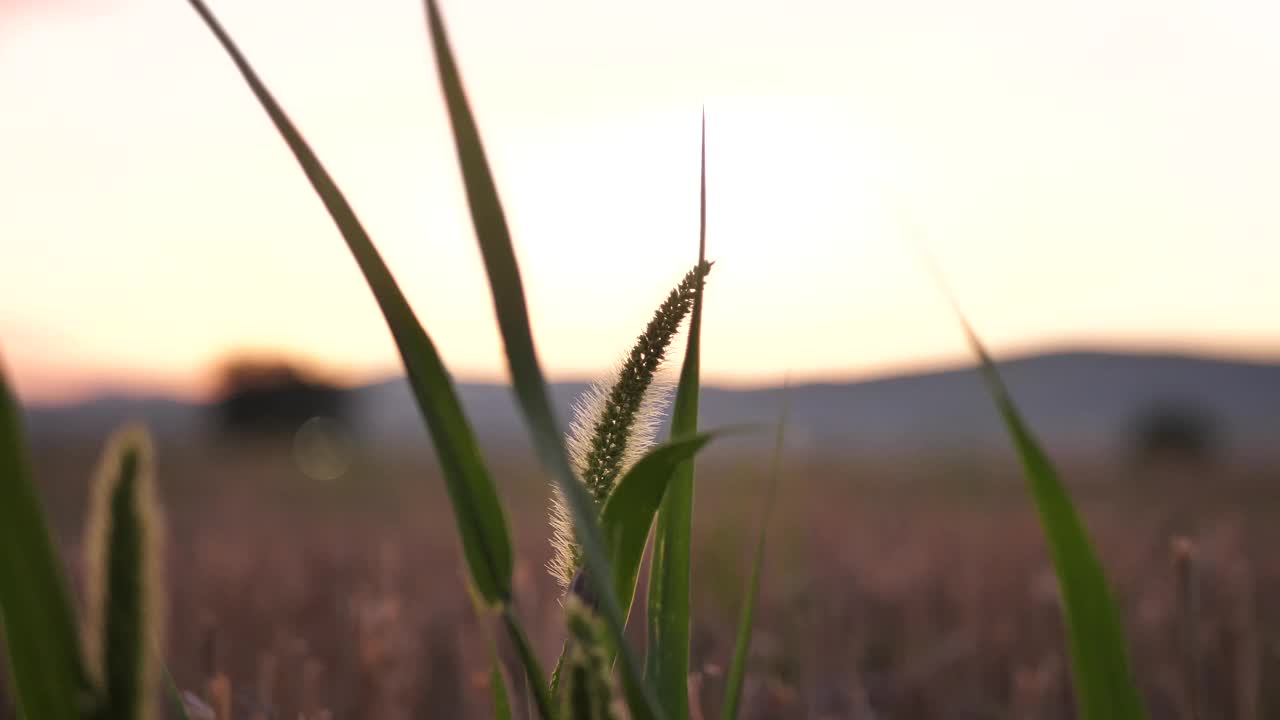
pixel 629 512
pixel 498 688
pixel 746 620
pixel 532 668
pixel 1104 686
pixel 513 323
pixel 667 654
pixel 179 708
pixel 482 528
pixel 39 628
pixel 124 541
pixel 498 694
pixel 626 518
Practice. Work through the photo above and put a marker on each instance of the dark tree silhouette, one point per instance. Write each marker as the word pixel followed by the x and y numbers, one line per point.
pixel 268 397
pixel 1175 433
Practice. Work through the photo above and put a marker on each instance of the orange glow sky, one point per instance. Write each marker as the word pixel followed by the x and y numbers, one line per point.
pixel 1092 173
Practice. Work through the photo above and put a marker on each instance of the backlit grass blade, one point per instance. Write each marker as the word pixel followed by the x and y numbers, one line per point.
pixel 478 514
pixel 124 540
pixel 481 526
pixel 526 374
pixel 746 620
pixel 667 654
pixel 498 688
pixel 49 678
pixel 628 515
pixel 1104 685
pixel 497 679
pixel 629 512
pixel 177 706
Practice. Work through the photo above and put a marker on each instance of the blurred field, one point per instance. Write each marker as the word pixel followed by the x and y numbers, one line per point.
pixel 895 587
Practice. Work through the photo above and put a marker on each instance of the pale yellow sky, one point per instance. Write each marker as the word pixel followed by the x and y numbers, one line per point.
pixel 1087 173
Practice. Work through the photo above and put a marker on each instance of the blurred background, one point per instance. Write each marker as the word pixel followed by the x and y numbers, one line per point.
pixel 1096 180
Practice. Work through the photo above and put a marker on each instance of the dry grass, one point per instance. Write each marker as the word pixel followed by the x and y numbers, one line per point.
pixel 894 589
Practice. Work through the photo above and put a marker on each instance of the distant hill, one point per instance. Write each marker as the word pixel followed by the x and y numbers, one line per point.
pixel 1078 401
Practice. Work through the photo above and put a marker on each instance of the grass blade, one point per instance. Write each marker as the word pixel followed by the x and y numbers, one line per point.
pixel 526 374
pixel 532 669
pixel 1104 686
pixel 629 512
pixel 478 515
pixel 746 620
pixel 49 677
pixel 178 707
pixel 628 515
pixel 123 546
pixel 667 658
pixel 481 526
pixel 498 687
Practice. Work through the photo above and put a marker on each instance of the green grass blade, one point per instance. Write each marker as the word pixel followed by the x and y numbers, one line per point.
pixel 482 528
pixel 1104 685
pixel 123 546
pixel 49 678
pixel 513 323
pixel 667 658
pixel 179 707
pixel 628 515
pixel 498 688
pixel 533 670
pixel 498 693
pixel 629 512
pixel 746 620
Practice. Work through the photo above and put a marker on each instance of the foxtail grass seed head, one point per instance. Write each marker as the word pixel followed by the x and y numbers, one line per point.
pixel 613 425
pixel 124 544
pixel 589 691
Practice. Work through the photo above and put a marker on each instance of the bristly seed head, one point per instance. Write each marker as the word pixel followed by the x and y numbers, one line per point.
pixel 613 426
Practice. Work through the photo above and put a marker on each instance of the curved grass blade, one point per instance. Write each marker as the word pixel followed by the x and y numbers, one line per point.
pixel 1104 685
pixel 526 374
pixel 481 525
pixel 746 621
pixel 667 654
pixel 498 693
pixel 124 539
pixel 178 707
pixel 48 673
pixel 629 512
pixel 533 670
pixel 498 687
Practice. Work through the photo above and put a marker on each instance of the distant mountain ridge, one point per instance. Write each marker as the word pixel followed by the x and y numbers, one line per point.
pixel 1083 401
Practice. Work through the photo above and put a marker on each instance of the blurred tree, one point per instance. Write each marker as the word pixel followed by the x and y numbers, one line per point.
pixel 1175 433
pixel 273 396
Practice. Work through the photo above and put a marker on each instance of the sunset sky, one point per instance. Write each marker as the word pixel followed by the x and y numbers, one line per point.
pixel 1091 173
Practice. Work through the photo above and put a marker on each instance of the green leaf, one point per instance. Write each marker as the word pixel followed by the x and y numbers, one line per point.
pixel 667 658
pixel 628 515
pixel 123 545
pixel 629 511
pixel 746 621
pixel 498 689
pixel 482 528
pixel 532 669
pixel 526 374
pixel 497 683
pixel 1104 685
pixel 178 707
pixel 49 677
